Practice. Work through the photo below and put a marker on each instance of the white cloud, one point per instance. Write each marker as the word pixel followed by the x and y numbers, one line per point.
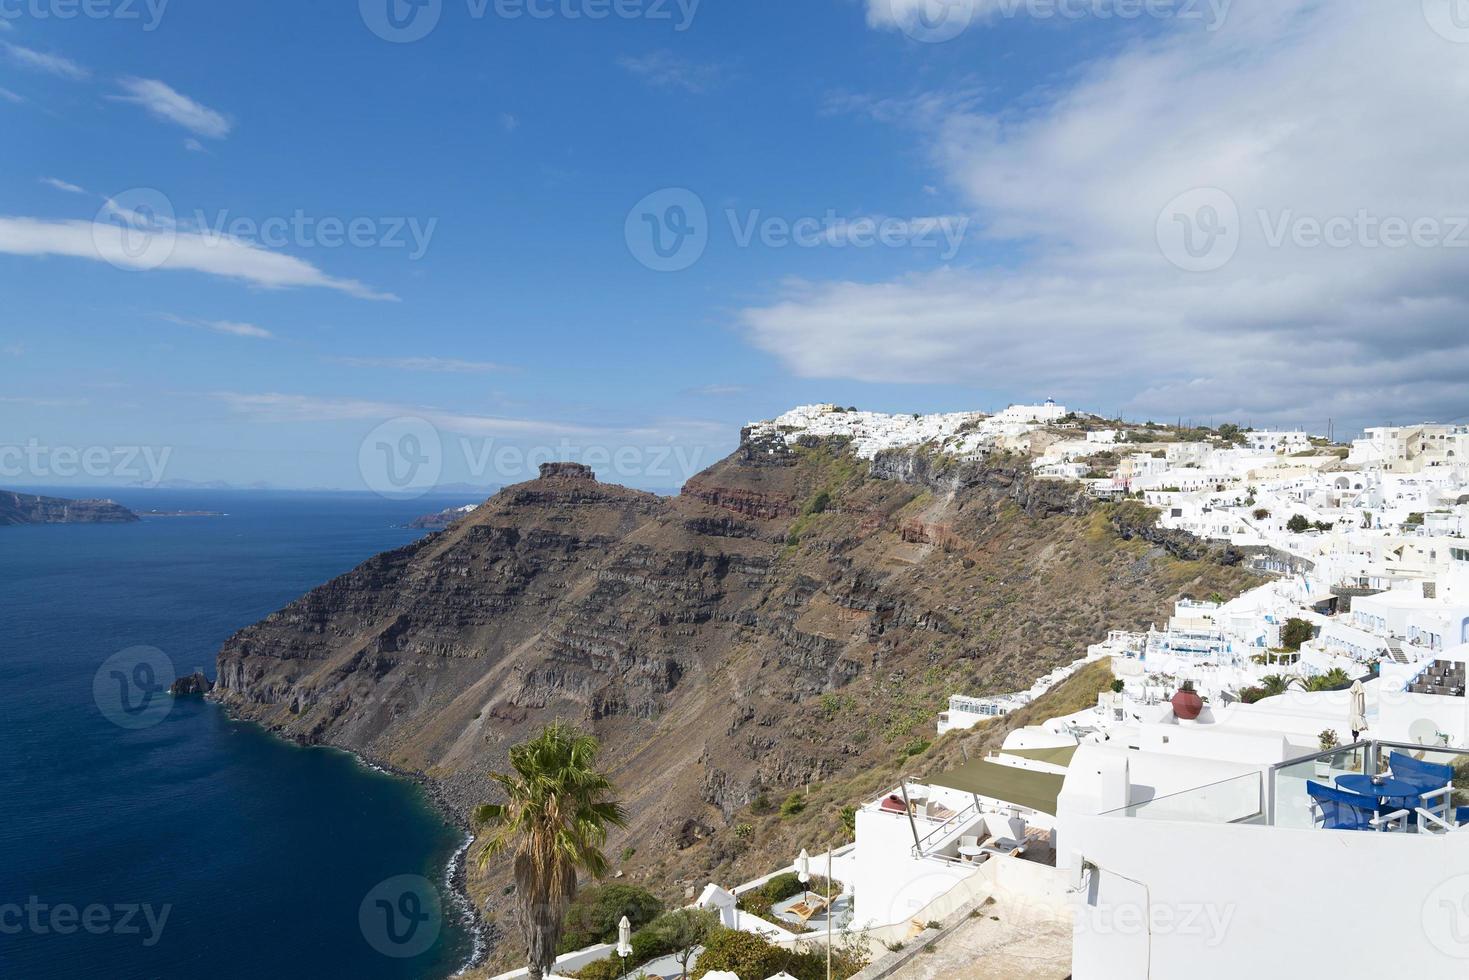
pixel 62 185
pixel 52 64
pixel 509 122
pixel 661 69
pixel 129 248
pixel 13 350
pixel 437 365
pixel 194 146
pixel 1277 110
pixel 167 104
pixel 11 97
pixel 229 327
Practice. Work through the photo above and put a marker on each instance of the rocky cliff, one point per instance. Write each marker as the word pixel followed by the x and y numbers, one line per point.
pixel 794 619
pixel 24 508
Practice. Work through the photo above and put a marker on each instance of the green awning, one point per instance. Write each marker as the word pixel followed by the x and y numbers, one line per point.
pixel 1059 755
pixel 1022 787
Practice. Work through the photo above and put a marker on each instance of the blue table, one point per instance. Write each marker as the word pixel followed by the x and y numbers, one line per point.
pixel 1401 792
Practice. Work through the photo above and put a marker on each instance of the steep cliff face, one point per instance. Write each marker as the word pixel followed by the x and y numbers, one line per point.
pixel 24 508
pixel 795 616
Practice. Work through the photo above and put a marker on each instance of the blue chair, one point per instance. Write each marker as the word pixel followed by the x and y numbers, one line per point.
pixel 1434 784
pixel 1336 809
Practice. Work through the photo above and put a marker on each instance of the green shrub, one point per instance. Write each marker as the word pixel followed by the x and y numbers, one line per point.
pixel 793 805
pixel 594 916
pixel 916 747
pixel 742 953
pixel 849 818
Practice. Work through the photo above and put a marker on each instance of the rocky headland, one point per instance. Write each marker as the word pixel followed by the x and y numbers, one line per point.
pixel 24 508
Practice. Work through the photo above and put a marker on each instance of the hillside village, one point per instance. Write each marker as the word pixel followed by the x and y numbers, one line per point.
pixel 1318 720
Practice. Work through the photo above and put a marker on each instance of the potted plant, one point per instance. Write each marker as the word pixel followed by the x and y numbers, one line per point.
pixel 1187 705
pixel 1328 741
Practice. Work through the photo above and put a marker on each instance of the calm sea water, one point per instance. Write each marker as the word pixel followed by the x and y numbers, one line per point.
pixel 196 846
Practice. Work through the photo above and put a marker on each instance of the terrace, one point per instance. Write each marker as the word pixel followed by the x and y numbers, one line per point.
pixel 1377 786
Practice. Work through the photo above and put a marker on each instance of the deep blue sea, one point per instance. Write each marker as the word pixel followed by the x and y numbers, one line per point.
pixel 194 846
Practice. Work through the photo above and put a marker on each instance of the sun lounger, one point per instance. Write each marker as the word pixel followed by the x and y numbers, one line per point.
pixel 808 907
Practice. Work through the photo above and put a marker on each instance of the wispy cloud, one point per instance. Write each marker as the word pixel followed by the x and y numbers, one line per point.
pixel 62 185
pixel 194 146
pixel 509 122
pixel 166 103
pixel 662 69
pixel 229 327
pixel 717 391
pixel 278 407
pixel 42 402
pixel 436 365
pixel 11 97
pixel 13 350
pixel 52 64
pixel 215 255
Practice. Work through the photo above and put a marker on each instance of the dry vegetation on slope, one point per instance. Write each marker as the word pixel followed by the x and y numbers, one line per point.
pixel 786 629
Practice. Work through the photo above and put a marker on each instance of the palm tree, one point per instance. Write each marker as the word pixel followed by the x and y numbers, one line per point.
pixel 1274 684
pixel 554 823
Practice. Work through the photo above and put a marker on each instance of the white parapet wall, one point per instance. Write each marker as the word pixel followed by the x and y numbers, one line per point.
pixel 1174 899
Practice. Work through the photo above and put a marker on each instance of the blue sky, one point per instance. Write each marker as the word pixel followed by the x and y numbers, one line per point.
pixel 172 278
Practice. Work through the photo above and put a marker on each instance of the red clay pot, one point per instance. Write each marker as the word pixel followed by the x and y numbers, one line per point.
pixel 1187 705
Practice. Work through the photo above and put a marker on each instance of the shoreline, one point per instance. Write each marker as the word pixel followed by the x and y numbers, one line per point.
pixel 456 872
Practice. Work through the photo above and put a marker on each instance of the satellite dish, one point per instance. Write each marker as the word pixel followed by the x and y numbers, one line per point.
pixel 1423 732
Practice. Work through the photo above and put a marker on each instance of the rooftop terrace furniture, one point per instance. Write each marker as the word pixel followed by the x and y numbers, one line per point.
pixel 1432 783
pixel 938 811
pixel 804 910
pixel 1337 809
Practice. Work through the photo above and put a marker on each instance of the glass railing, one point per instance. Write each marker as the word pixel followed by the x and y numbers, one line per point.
pixel 1291 803
pixel 1240 799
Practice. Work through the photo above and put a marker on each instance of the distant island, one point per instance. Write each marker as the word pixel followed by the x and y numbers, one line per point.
pixel 24 508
